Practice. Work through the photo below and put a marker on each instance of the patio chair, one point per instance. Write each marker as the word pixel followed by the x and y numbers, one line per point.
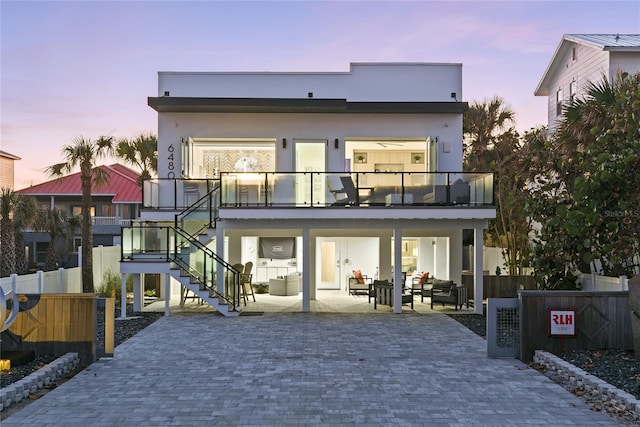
pixel 346 193
pixel 384 294
pixel 245 281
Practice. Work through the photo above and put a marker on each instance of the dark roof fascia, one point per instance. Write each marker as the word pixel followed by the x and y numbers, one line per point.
pixel 296 105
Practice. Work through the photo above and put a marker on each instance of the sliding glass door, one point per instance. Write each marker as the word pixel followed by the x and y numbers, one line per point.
pixel 310 157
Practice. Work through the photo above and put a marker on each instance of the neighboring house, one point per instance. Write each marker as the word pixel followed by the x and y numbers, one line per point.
pixel 584 58
pixel 7 169
pixel 313 173
pixel 113 205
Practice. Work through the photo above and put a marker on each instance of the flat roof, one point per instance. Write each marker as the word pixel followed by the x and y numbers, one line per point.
pixel 168 104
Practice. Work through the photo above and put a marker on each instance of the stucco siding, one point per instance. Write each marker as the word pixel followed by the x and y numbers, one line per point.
pixel 365 82
pixel 173 127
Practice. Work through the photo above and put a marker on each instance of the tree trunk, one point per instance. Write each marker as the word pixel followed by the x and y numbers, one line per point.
pixel 50 262
pixel 8 260
pixel 22 266
pixel 87 233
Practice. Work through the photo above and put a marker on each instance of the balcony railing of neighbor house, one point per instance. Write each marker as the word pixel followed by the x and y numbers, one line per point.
pixel 110 220
pixel 328 189
pixel 144 242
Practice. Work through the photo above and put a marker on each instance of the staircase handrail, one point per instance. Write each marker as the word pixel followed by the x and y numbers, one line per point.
pixel 210 197
pixel 212 255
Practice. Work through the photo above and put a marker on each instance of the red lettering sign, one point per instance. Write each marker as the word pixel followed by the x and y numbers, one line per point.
pixel 562 321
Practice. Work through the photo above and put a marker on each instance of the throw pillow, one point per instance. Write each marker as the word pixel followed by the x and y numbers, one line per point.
pixel 423 278
pixel 358 275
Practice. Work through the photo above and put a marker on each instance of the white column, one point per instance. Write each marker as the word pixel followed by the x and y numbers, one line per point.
pixel 167 293
pixel 306 271
pixel 123 295
pixel 397 270
pixel 138 280
pixel 478 246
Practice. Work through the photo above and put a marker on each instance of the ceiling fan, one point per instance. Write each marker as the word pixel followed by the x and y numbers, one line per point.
pixel 386 144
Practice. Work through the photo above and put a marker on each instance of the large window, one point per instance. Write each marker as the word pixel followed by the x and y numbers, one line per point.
pixel 207 157
pixel 410 254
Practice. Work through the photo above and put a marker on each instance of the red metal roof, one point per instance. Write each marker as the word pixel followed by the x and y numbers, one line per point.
pixel 122 185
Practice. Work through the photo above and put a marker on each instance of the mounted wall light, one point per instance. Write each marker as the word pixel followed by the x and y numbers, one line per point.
pixel 336 145
pixel 284 142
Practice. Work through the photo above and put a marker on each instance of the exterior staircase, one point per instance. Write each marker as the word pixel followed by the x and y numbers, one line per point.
pixel 192 262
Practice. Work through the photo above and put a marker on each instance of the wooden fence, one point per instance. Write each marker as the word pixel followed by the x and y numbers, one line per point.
pixel 54 324
pixel 500 286
pixel 603 321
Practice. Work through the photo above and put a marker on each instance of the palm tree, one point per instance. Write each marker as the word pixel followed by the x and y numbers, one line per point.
pixel 483 124
pixel 24 216
pixel 142 151
pixel 84 153
pixel 59 225
pixel 7 236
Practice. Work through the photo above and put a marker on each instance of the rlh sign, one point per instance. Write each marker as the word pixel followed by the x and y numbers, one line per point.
pixel 562 321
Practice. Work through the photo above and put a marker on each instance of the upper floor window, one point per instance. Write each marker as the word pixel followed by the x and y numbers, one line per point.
pixel 107 210
pixel 77 210
pixel 573 89
pixel 559 99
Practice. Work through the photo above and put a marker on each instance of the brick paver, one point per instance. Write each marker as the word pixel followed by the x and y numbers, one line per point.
pixel 325 369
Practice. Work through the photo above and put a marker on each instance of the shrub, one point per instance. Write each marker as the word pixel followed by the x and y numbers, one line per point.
pixel 111 286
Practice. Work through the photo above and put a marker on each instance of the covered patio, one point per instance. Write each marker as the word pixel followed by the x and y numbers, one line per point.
pixel 327 301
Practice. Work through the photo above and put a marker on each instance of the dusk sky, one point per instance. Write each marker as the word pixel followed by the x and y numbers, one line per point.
pixel 87 67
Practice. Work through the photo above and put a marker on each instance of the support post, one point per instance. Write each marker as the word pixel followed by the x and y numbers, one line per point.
pixel 478 246
pixel 306 271
pixel 138 292
pixel 123 295
pixel 397 270
pixel 167 293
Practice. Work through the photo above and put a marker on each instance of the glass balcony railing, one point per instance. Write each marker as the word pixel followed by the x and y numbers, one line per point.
pixel 324 189
pixel 320 189
pixel 148 242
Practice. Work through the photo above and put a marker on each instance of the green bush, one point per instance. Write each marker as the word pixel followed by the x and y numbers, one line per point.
pixel 111 286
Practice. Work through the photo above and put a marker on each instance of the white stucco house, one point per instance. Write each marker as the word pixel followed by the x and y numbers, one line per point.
pixel 583 58
pixel 355 170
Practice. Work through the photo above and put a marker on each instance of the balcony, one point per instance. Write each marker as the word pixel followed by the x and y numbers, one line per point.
pixel 110 220
pixel 325 190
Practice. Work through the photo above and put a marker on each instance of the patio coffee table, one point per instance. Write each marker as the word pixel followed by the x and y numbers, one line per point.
pixel 260 287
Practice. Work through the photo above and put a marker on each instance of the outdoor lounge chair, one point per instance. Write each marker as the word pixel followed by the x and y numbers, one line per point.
pixel 360 284
pixel 348 194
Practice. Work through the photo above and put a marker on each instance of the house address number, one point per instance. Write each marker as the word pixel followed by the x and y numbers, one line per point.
pixel 171 165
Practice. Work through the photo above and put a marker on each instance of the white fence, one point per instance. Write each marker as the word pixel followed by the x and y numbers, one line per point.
pixel 594 282
pixel 69 280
